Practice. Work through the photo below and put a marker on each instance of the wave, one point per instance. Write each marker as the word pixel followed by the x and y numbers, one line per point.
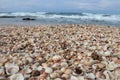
pixel 83 16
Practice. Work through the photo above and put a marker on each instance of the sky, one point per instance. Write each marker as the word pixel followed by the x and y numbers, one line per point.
pixel 95 6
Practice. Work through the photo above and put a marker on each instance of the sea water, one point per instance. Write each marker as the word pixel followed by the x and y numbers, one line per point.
pixel 14 18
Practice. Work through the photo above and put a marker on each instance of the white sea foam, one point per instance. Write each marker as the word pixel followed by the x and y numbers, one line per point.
pixel 83 16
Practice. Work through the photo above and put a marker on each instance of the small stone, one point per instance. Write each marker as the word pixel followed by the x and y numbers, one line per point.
pixel 18 76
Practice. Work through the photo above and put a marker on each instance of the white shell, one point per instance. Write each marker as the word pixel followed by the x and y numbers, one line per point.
pixel 48 70
pixel 73 78
pixel 111 66
pixel 17 77
pixel 90 75
pixel 2 72
pixel 56 57
pixel 11 68
pixel 107 53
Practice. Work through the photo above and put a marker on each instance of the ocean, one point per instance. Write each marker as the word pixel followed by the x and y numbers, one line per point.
pixel 16 18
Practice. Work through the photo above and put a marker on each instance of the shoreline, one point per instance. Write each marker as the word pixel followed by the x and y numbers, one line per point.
pixel 60 52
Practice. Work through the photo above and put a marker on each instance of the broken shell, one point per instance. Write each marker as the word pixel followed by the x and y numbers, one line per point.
pixel 66 76
pixel 73 78
pixel 68 71
pixel 64 64
pixel 107 53
pixel 90 76
pixel 57 79
pixel 2 72
pixel 111 66
pixel 28 70
pixel 101 65
pixel 11 68
pixel 78 70
pixel 56 58
pixel 48 70
pixel 16 77
pixel 88 63
pixel 117 73
pixel 35 73
pixel 53 75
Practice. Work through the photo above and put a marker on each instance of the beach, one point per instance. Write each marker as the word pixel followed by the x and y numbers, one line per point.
pixel 60 52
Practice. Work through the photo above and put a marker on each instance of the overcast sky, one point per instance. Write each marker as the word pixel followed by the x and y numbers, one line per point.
pixel 95 6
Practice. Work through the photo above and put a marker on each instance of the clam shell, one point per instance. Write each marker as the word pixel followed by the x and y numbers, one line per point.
pixel 18 76
pixel 11 68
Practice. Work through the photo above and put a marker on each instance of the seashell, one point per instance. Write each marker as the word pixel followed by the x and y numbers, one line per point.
pixel 11 68
pixel 64 64
pixel 56 65
pixel 98 74
pixel 107 53
pixel 106 75
pixel 117 73
pixel 2 72
pixel 53 75
pixel 29 59
pixel 81 78
pixel 90 76
pixel 63 69
pixel 3 78
pixel 88 63
pixel 73 78
pixel 35 73
pixel 44 65
pixel 39 68
pixel 43 76
pixel 101 65
pixel 95 56
pixel 115 59
pixel 111 66
pixel 78 70
pixel 35 78
pixel 56 58
pixel 68 71
pixel 48 70
pixel 18 76
pixel 28 70
pixel 57 79
pixel 65 76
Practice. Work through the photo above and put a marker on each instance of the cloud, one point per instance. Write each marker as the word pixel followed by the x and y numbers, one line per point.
pixel 59 5
pixel 107 4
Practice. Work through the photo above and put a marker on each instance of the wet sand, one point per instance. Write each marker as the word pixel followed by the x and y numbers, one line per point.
pixel 60 52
